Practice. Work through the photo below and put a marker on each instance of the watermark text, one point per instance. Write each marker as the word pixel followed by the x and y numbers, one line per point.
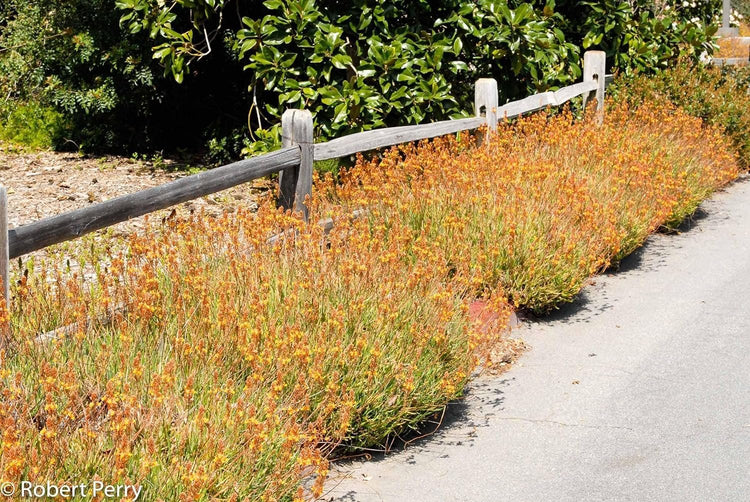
pixel 31 490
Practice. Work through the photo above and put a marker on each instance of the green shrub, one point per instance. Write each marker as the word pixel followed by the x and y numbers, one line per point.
pixel 216 75
pixel 742 7
pixel 642 36
pixel 70 57
pixel 365 64
pixel 32 125
pixel 73 57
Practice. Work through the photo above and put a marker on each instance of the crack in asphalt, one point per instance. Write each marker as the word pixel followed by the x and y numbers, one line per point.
pixel 565 424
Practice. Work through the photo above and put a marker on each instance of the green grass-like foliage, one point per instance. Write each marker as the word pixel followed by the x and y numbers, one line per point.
pixel 717 96
pixel 204 363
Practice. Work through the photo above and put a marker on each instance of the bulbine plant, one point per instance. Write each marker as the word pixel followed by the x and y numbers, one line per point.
pixel 220 366
pixel 716 95
pixel 202 362
pixel 547 201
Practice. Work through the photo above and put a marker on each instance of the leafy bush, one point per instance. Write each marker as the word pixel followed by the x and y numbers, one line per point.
pixel 718 96
pixel 33 125
pixel 65 55
pixel 742 7
pixel 229 69
pixel 72 56
pixel 643 36
pixel 363 65
pixel 359 65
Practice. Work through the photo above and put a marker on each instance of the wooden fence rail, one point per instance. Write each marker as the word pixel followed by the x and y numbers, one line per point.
pixel 379 138
pixel 293 162
pixel 66 226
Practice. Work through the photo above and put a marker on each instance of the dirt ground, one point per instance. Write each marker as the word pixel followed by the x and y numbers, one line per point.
pixel 44 184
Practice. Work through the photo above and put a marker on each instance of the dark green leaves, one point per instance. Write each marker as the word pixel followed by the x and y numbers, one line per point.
pixel 363 64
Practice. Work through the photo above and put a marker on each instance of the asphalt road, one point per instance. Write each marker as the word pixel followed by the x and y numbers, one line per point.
pixel 639 391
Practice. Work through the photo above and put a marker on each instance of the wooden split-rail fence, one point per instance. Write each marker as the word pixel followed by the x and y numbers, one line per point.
pixel 293 162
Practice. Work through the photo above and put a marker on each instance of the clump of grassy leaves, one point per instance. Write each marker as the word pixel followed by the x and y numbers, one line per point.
pixel 548 201
pixel 205 363
pixel 719 96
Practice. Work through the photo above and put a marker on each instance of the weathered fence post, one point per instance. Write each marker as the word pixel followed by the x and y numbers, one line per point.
pixel 594 70
pixel 4 250
pixel 485 96
pixel 726 15
pixel 295 183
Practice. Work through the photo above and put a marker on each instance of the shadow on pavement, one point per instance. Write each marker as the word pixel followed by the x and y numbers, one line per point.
pixel 455 426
